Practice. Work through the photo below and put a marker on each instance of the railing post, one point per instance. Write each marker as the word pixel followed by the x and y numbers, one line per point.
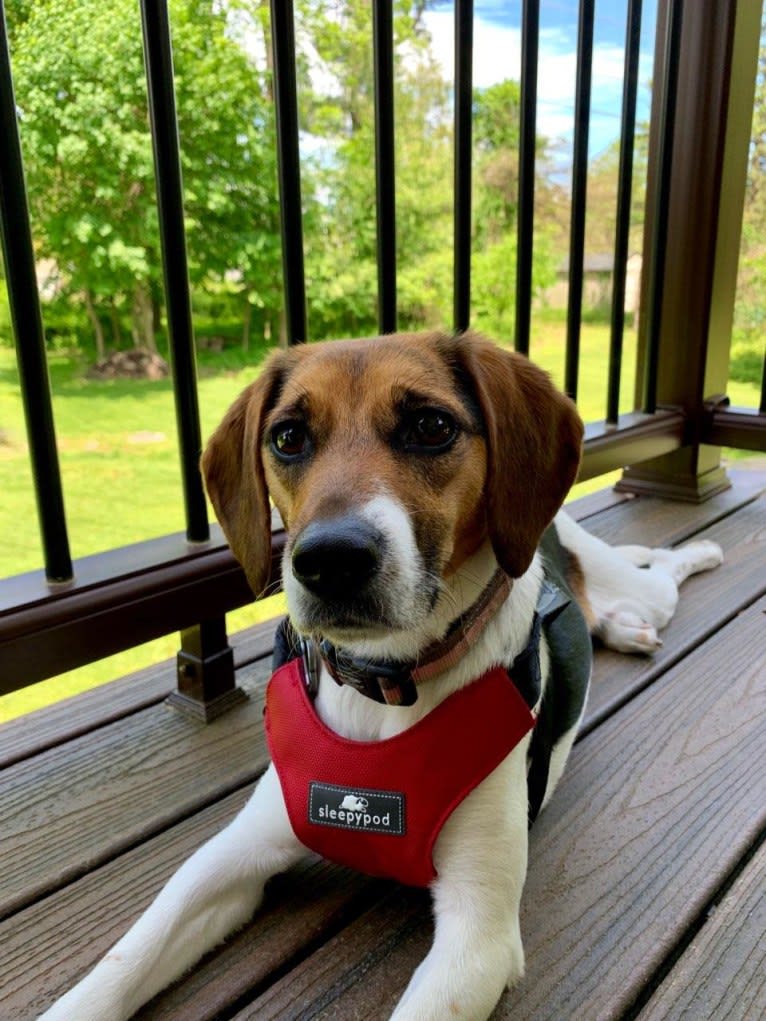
pixel 709 144
pixel 205 671
pixel 24 304
pixel 463 159
pixel 206 681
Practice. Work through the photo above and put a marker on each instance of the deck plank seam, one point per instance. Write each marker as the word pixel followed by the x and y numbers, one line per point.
pixel 22 901
pixel 655 673
pixel 357 906
pixel 693 929
pixel 695 530
pixel 47 745
pixel 96 725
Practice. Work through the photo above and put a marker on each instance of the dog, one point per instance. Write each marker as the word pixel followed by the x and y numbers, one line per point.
pixel 432 582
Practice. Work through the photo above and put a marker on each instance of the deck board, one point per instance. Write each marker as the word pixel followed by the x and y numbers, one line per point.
pixel 51 943
pixel 77 805
pixel 80 714
pixel 666 523
pixel 722 976
pixel 706 602
pixel 356 974
pixel 654 817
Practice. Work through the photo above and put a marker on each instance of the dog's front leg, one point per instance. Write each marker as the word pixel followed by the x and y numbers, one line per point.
pixel 481 860
pixel 212 894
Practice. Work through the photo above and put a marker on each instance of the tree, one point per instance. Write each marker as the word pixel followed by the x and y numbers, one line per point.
pixel 336 66
pixel 496 144
pixel 602 194
pixel 339 110
pixel 80 86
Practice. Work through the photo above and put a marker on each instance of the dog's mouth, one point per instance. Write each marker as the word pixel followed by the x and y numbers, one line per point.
pixel 381 615
pixel 366 617
pixel 357 576
pixel 323 620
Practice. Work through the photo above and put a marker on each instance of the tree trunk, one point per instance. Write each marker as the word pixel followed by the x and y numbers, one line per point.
pixel 246 324
pixel 282 328
pixel 114 318
pixel 143 319
pixel 95 322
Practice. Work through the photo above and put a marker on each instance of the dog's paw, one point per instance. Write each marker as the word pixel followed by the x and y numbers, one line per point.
pixel 624 631
pixel 704 555
pixel 690 559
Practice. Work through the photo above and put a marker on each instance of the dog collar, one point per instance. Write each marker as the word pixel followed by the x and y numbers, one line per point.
pixel 395 683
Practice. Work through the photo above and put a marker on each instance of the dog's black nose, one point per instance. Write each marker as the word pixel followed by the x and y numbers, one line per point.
pixel 334 559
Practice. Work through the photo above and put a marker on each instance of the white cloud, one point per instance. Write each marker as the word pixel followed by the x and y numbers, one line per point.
pixel 497 56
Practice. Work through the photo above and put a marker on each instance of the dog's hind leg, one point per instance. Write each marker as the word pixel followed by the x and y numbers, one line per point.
pixel 214 893
pixel 690 559
pixel 640 556
pixel 633 590
pixel 628 625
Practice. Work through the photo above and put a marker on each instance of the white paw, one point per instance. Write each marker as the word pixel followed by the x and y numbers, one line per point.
pixel 704 555
pixel 690 559
pixel 628 632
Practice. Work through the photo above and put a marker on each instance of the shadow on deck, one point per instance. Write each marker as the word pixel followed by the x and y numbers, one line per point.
pixel 645 890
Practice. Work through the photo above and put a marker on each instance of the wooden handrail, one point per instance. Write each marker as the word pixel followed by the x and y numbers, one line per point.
pixel 131 595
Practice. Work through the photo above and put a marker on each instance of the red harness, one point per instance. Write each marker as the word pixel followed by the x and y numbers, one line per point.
pixel 379 806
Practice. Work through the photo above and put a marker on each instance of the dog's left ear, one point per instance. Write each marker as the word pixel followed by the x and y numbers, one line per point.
pixel 534 440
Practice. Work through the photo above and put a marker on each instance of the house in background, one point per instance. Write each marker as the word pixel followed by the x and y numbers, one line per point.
pixel 597 287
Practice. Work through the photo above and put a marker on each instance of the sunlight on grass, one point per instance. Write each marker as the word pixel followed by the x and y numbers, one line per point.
pixel 118 453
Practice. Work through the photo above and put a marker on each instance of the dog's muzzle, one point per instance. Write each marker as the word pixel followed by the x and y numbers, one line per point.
pixel 337 559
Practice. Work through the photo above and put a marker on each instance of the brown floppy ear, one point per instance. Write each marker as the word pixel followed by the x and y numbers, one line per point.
pixel 234 477
pixel 534 440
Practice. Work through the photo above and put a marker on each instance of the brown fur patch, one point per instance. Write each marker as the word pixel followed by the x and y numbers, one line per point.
pixel 576 578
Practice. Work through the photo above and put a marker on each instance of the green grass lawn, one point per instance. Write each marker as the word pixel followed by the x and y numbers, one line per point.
pixel 121 477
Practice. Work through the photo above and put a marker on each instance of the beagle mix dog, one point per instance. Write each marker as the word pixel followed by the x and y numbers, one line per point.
pixel 439 607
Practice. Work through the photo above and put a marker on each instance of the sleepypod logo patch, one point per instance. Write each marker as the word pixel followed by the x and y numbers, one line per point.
pixel 354 808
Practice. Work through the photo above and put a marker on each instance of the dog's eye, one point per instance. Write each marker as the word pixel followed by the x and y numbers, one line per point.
pixel 430 429
pixel 289 439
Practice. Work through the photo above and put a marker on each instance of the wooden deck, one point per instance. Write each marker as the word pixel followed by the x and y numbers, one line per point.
pixel 646 879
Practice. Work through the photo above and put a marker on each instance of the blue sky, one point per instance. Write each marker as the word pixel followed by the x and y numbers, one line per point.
pixel 497 55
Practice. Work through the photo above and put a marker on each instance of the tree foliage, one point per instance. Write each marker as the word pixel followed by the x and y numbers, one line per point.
pixel 80 86
pixel 81 92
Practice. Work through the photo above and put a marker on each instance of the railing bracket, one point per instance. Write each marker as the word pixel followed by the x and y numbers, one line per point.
pixel 205 670
pixel 206 712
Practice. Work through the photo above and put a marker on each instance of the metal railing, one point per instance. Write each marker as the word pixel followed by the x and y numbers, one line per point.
pixel 55 620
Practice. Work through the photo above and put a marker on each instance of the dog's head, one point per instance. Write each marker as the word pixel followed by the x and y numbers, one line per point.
pixel 391 461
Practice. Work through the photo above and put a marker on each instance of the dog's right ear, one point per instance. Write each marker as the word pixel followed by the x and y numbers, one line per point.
pixel 233 471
